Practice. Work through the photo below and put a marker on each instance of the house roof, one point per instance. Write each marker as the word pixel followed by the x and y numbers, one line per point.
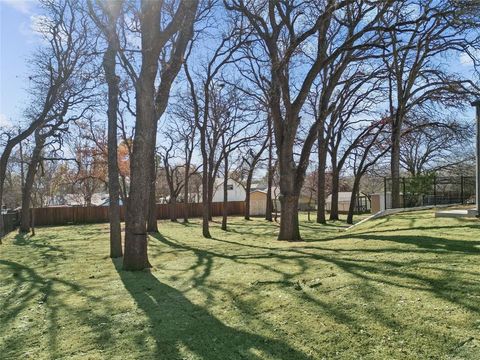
pixel 263 191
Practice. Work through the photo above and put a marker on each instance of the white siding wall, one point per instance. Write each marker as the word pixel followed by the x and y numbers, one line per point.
pixel 236 194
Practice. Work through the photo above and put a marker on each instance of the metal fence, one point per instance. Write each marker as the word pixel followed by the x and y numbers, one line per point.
pixel 432 190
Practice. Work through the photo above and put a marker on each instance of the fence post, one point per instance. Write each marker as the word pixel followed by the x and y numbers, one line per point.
pixel 385 192
pixel 435 190
pixel 461 188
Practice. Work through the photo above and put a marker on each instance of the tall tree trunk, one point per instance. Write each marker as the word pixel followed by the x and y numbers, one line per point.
pixel 152 224
pixel 33 218
pixel 289 229
pixel 248 187
pixel 211 184
pixel 123 190
pixel 173 208
pixel 113 182
pixel 205 184
pixel 150 106
pixel 3 169
pixel 269 205
pixel 25 221
pixel 335 188
pixel 22 171
pixel 322 164
pixel 225 196
pixel 289 195
pixel 395 165
pixel 136 257
pixel 205 205
pixel 353 198
pixel 185 193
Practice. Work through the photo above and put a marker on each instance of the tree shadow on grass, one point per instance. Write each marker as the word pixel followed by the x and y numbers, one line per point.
pixel 41 246
pixel 180 326
pixel 425 242
pixel 450 287
pixel 33 296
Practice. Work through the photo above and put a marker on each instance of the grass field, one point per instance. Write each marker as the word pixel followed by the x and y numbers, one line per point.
pixel 402 287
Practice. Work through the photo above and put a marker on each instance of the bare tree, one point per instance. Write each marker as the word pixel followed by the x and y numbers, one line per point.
pixel 330 35
pixel 54 64
pixel 252 157
pixel 166 30
pixel 51 135
pixel 373 146
pixel 359 93
pixel 183 132
pixel 426 31
pixel 212 114
pixel 106 19
pixel 432 146
pixel 173 175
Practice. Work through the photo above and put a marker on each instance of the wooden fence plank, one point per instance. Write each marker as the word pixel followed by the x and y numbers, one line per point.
pixel 64 215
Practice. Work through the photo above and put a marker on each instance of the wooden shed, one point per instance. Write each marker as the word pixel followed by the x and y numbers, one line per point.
pixel 258 202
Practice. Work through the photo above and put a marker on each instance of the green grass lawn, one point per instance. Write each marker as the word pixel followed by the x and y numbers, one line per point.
pixel 401 287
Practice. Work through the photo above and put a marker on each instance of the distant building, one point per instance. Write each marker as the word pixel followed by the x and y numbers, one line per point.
pixel 258 201
pixel 98 199
pixel 343 201
pixel 363 204
pixel 235 191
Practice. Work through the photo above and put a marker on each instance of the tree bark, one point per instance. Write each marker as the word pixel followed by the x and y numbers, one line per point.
pixel 25 221
pixel 269 204
pixel 247 194
pixel 335 188
pixel 205 183
pixel 353 198
pixel 289 195
pixel 185 193
pixel 152 224
pixel 395 165
pixel 173 208
pixel 322 162
pixel 205 204
pixel 225 196
pixel 109 64
pixel 289 229
pixel 211 184
pixel 4 161
pixel 150 105
pixel 136 257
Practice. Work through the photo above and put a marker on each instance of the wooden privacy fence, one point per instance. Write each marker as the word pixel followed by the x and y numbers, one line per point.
pixel 63 215
pixel 10 222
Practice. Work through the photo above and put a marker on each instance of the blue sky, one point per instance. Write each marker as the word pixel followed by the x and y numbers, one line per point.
pixel 17 42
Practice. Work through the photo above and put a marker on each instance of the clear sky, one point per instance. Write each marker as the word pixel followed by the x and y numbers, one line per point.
pixel 18 41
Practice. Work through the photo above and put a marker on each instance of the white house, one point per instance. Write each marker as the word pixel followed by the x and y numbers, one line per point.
pixel 235 192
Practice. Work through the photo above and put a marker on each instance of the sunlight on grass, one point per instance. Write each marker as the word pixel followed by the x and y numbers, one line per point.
pixel 403 287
